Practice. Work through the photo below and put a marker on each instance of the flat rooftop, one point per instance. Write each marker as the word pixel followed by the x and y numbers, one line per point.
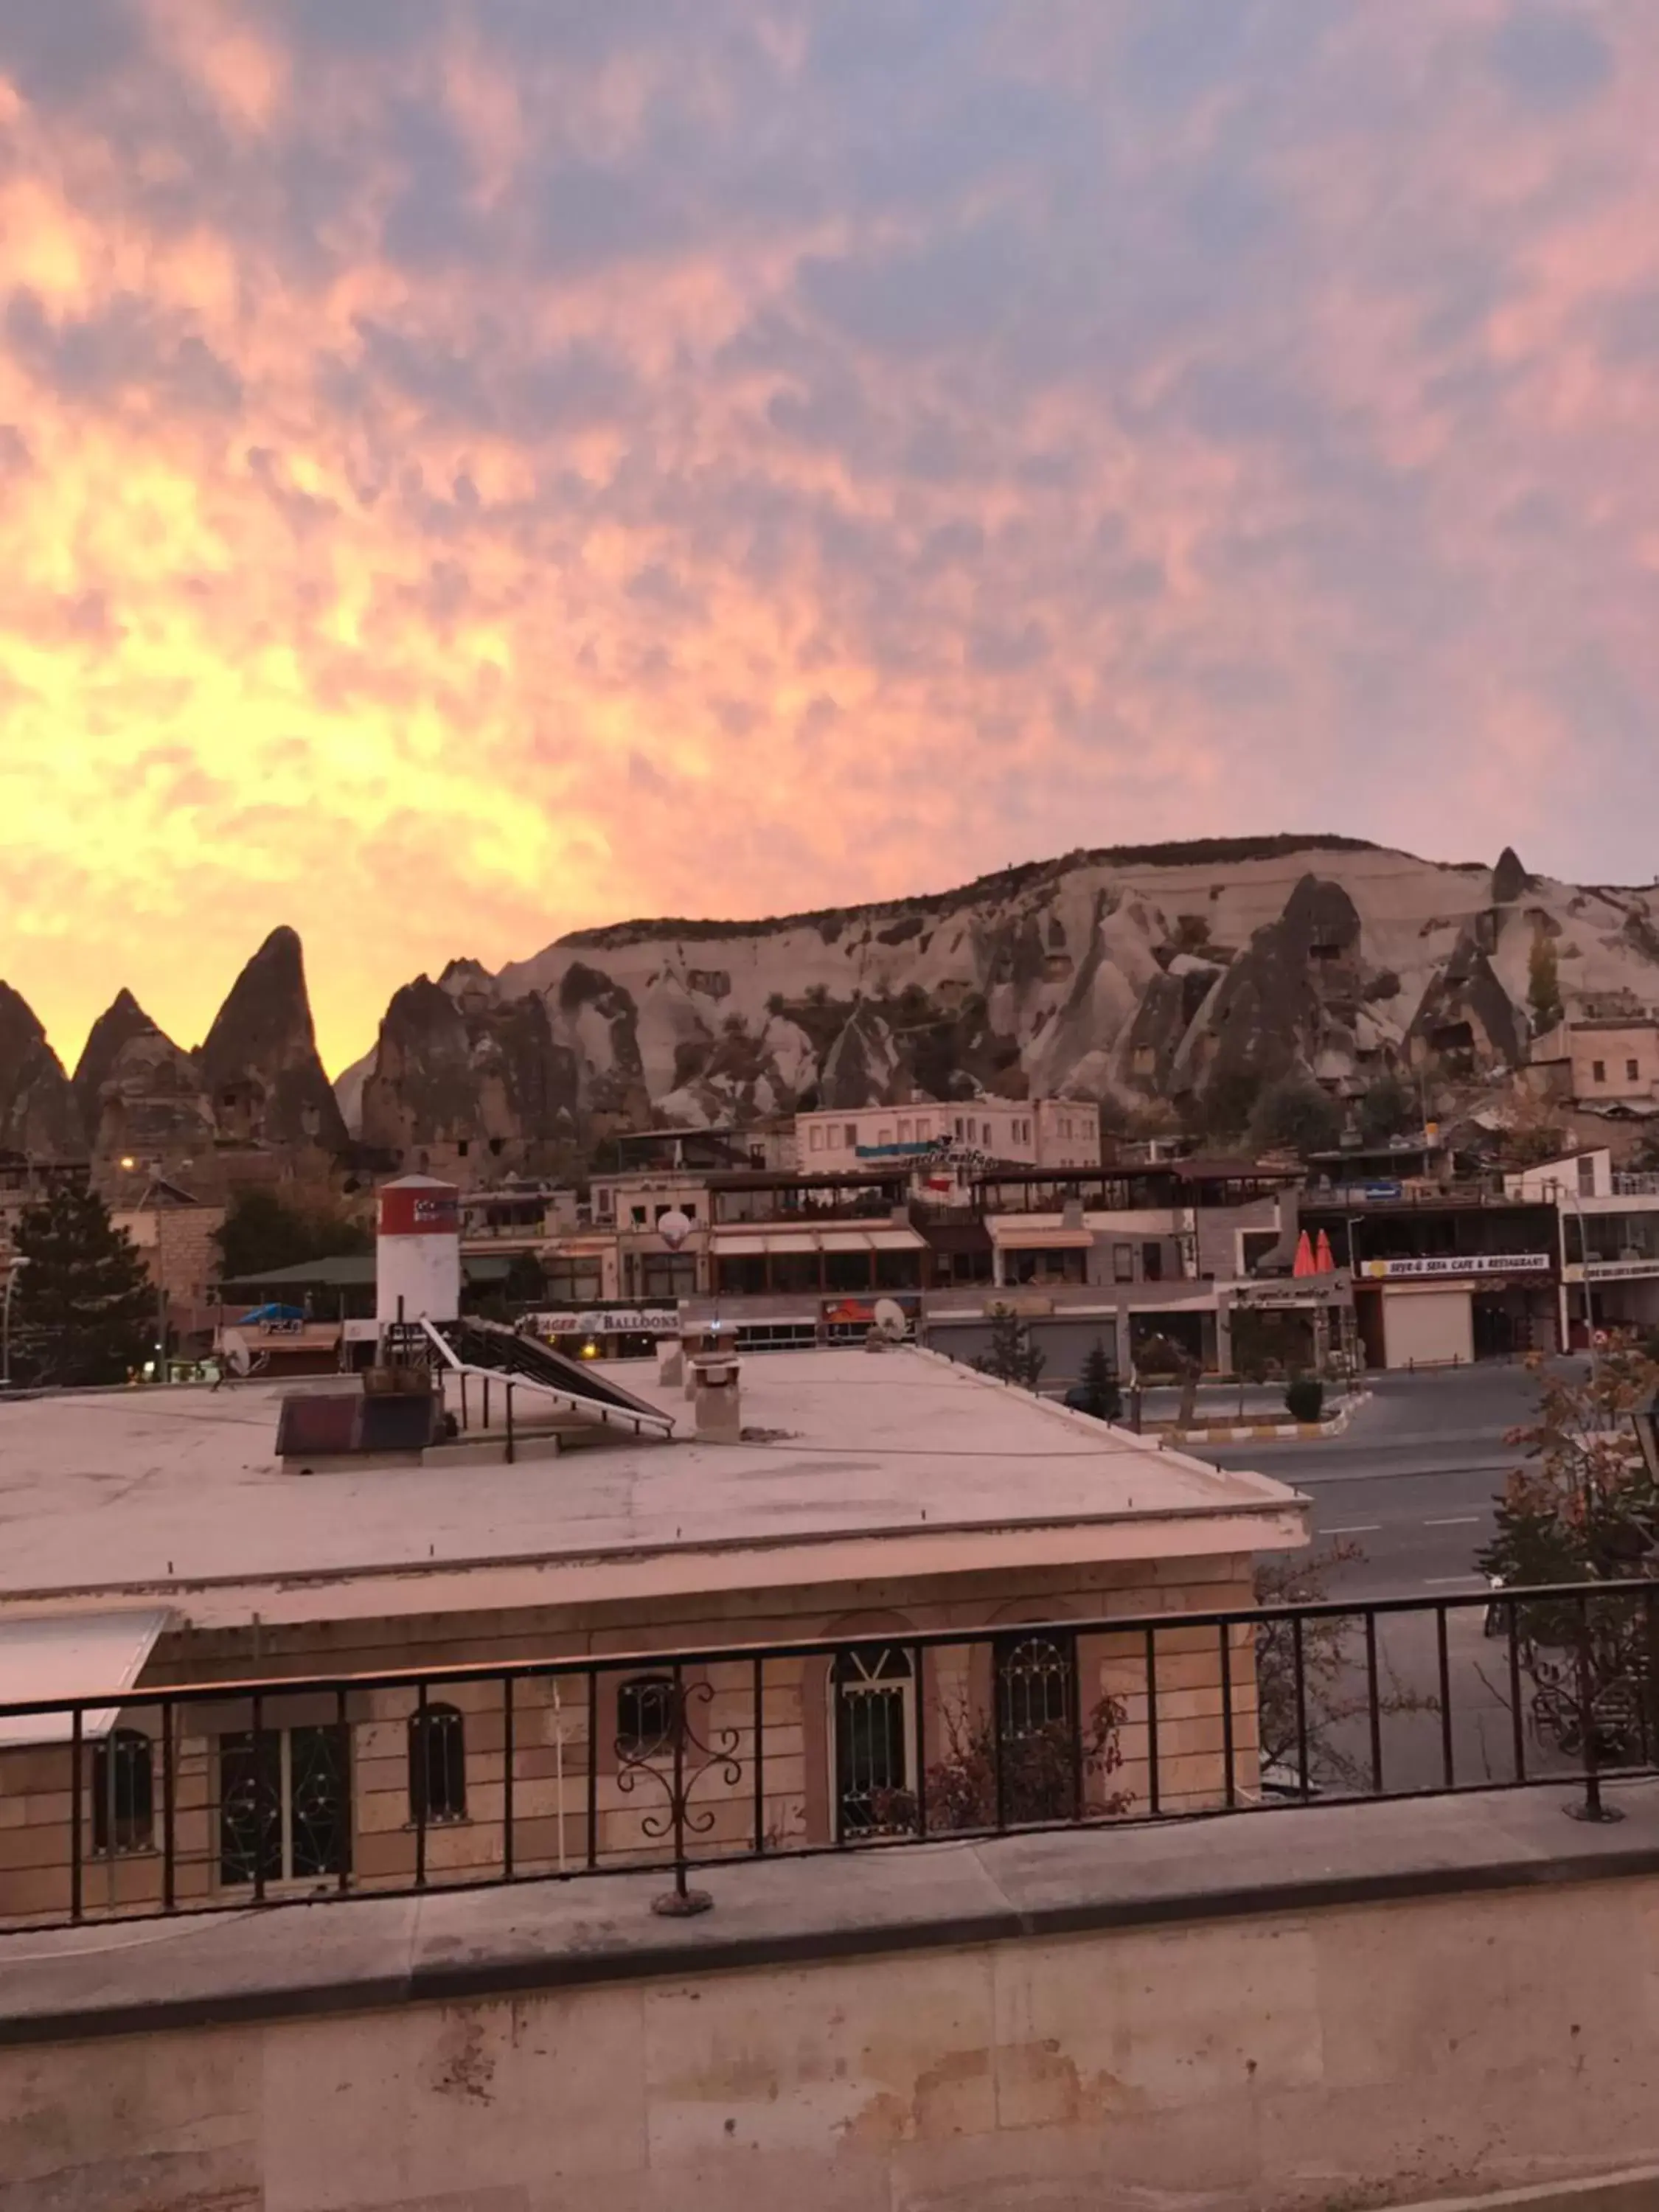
pixel 853 1464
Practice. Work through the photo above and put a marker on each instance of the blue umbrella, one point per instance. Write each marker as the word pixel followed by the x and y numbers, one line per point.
pixel 264 1314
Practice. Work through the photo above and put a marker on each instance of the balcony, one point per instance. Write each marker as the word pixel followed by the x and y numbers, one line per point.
pixel 140 1802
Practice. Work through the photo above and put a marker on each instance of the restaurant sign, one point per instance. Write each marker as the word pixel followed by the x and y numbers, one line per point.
pixel 1456 1267
pixel 610 1321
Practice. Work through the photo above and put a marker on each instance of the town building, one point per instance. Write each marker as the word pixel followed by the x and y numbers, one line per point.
pixel 297 1547
pixel 1050 1132
pixel 1443 1273
pixel 1601 1061
pixel 1608 1236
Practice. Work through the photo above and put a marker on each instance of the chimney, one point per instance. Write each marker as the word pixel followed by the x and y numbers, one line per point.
pixel 716 1399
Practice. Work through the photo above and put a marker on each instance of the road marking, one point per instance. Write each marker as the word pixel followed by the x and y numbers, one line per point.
pixel 1449 1581
pixel 1358 1529
pixel 1458 1521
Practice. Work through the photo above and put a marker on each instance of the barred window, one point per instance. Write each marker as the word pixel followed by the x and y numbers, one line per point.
pixel 647 1716
pixel 123 1793
pixel 437 1765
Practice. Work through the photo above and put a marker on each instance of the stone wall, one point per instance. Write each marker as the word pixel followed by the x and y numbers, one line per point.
pixel 1231 2045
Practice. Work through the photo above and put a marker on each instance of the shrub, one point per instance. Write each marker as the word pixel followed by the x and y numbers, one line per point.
pixel 1304 1397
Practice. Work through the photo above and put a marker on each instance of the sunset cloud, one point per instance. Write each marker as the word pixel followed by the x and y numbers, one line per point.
pixel 472 468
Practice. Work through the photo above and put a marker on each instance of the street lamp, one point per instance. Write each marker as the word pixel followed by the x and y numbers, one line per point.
pixel 12 1274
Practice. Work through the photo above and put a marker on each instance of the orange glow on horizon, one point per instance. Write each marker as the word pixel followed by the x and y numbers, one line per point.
pixel 459 490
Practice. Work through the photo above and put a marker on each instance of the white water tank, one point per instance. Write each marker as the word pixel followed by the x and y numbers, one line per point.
pixel 417 1251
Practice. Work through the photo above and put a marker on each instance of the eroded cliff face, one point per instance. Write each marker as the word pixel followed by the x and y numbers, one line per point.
pixel 38 1111
pixel 259 1066
pixel 457 1064
pixel 1125 976
pixel 138 1093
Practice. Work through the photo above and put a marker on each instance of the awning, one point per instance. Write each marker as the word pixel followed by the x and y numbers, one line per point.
pixel 1014 1236
pixel 726 1247
pixel 70 1654
pixel 834 1236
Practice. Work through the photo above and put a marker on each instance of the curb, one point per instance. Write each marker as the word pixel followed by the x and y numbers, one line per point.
pixel 1271 1431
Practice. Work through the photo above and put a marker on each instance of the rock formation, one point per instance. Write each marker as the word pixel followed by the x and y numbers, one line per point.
pixel 37 1112
pixel 259 1065
pixel 137 1092
pixel 1127 976
pixel 456 1065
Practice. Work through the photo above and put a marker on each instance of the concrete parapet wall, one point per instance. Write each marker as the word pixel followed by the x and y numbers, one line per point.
pixel 1377 2005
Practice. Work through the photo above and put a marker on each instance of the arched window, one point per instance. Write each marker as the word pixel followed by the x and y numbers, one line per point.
pixel 1039 1770
pixel 123 1793
pixel 873 1694
pixel 647 1716
pixel 437 1765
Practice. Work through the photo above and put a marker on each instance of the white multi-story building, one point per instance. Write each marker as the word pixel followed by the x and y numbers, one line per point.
pixel 1039 1132
pixel 1609 1241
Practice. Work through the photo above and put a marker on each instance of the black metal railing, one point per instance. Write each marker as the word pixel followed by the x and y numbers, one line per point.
pixel 184 1798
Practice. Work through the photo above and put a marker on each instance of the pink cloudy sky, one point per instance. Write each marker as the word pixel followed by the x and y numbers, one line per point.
pixel 469 471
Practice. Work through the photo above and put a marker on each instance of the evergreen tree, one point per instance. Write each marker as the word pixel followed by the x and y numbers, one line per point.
pixel 1543 985
pixel 84 1309
pixel 1097 1391
pixel 1012 1356
pixel 1294 1112
pixel 1387 1110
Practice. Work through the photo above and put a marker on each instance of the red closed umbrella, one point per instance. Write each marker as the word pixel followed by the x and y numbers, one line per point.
pixel 1324 1264
pixel 1304 1258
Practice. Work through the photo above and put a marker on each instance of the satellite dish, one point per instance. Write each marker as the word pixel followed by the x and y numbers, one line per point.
pixel 238 1358
pixel 674 1227
pixel 890 1321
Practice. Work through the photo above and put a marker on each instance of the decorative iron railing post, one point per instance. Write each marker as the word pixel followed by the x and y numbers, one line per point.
pixel 1592 1808
pixel 420 1782
pixel 1517 1718
pixel 593 1771
pixel 77 1732
pixel 342 1876
pixel 998 1698
pixel 919 1710
pixel 678 1819
pixel 168 1785
pixel 508 1757
pixel 758 1693
pixel 1447 1765
pixel 1152 1800
pixel 258 1798
pixel 679 1903
pixel 1373 1702
pixel 1303 1762
pixel 1080 1802
pixel 1230 1786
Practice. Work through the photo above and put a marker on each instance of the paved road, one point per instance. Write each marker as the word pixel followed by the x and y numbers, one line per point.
pixel 1412 1482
